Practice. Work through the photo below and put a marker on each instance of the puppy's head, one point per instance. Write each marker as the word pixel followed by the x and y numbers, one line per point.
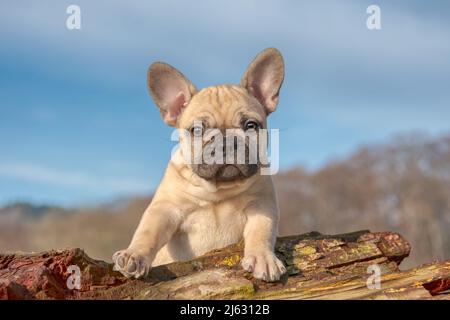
pixel 219 114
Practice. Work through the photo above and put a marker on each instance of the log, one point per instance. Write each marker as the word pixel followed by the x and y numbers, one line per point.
pixel 319 267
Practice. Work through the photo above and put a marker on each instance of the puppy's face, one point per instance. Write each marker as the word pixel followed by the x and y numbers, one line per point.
pixel 221 113
pixel 220 121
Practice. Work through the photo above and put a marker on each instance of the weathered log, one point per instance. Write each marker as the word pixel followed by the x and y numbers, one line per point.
pixel 319 267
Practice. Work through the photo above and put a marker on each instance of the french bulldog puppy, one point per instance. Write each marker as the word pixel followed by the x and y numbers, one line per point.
pixel 199 207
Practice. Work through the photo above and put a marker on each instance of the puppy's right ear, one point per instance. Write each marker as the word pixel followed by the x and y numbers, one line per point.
pixel 170 90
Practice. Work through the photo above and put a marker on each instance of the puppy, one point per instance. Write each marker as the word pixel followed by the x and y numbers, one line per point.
pixel 199 207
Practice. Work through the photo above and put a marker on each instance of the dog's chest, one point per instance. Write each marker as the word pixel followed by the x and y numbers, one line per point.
pixel 213 226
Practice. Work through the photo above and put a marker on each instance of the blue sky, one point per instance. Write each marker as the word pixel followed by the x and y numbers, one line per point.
pixel 77 124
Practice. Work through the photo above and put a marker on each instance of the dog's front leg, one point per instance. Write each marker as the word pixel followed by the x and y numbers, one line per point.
pixel 156 228
pixel 259 235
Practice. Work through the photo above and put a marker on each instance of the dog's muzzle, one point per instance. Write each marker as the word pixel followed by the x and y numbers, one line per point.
pixel 228 170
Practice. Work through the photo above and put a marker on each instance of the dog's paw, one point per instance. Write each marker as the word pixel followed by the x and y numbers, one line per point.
pixel 264 265
pixel 131 264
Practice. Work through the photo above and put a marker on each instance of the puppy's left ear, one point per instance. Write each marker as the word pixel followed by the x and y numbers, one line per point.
pixel 264 77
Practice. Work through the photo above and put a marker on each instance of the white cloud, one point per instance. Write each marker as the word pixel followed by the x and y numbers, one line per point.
pixel 70 179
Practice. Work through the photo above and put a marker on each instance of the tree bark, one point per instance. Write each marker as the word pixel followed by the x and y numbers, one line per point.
pixel 319 267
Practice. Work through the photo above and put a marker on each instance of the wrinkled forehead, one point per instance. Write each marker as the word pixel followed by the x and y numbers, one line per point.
pixel 223 105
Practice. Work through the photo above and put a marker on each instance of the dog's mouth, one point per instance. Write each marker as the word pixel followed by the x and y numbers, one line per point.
pixel 225 172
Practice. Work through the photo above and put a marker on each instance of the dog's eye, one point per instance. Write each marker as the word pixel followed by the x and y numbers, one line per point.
pixel 197 130
pixel 251 125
